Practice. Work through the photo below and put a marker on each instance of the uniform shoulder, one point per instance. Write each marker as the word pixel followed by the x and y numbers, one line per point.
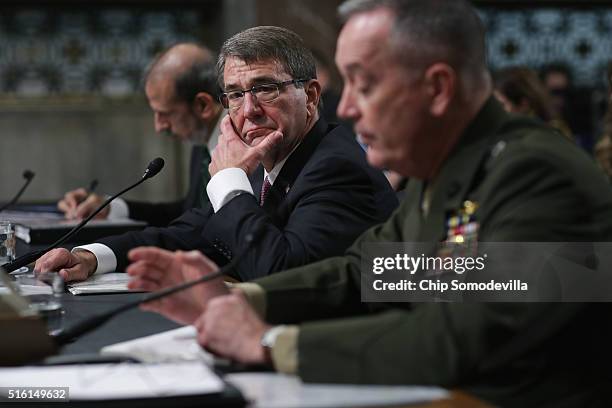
pixel 543 147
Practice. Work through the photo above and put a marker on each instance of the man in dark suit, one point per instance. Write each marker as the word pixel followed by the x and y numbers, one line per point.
pixel 303 187
pixel 419 92
pixel 181 88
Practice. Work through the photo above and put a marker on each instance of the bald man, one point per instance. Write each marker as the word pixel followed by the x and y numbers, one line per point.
pixel 181 88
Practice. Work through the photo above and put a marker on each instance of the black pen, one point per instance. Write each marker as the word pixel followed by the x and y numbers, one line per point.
pixel 89 191
pixel 92 187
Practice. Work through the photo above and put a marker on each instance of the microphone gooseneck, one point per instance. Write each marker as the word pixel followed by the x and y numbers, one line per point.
pixel 91 323
pixel 33 256
pixel 28 175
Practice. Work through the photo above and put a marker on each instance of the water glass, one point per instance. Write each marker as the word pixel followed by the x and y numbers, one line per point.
pixel 44 294
pixel 7 242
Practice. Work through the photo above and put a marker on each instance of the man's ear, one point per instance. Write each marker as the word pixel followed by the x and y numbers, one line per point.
pixel 313 94
pixel 441 80
pixel 205 106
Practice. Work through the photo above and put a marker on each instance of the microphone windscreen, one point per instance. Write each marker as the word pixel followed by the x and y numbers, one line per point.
pixel 28 174
pixel 154 167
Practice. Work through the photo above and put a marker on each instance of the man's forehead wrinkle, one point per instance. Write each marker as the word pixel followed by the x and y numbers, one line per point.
pixel 272 71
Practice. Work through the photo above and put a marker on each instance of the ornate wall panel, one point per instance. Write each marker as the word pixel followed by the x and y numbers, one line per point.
pixel 580 38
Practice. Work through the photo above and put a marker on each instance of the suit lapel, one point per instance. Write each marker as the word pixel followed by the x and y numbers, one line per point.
pixel 293 166
pixel 256 180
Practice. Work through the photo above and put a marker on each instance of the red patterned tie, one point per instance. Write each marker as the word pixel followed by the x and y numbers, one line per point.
pixel 265 188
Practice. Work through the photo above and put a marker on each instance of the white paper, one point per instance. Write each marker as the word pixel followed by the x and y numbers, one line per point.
pixel 28 285
pixel 170 346
pixel 272 390
pixel 104 283
pixel 118 381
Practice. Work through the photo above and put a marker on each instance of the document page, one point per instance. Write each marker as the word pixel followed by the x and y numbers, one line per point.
pixel 118 381
pixel 173 345
pixel 104 283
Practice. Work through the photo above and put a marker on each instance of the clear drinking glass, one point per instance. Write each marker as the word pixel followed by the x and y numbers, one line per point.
pixel 7 242
pixel 44 293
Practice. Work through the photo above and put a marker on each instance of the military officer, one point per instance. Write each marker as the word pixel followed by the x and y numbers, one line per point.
pixel 419 93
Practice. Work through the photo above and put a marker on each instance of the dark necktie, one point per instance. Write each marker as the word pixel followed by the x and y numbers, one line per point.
pixel 204 177
pixel 265 189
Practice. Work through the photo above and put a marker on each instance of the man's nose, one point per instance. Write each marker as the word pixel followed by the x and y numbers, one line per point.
pixel 347 109
pixel 251 106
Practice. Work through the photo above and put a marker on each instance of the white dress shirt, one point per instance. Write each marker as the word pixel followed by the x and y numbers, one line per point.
pixel 222 187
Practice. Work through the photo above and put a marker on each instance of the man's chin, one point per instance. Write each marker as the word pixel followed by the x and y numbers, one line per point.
pixel 375 159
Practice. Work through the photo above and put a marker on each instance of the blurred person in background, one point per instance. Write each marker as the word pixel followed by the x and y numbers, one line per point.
pixel 603 148
pixel 329 94
pixel 574 105
pixel 181 89
pixel 557 80
pixel 520 91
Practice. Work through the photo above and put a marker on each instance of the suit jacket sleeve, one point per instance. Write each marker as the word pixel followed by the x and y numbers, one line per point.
pixel 155 214
pixel 446 343
pixel 331 204
pixel 184 233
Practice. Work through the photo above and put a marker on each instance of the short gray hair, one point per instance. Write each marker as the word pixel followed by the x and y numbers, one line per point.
pixel 431 31
pixel 269 43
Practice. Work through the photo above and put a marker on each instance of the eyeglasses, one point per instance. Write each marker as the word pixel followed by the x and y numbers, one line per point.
pixel 263 93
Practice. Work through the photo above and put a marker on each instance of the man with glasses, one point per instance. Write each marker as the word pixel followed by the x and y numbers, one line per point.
pixel 301 185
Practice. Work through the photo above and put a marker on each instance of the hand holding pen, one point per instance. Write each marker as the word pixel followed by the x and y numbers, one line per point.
pixel 78 204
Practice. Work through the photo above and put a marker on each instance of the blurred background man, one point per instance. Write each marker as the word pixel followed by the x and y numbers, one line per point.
pixel 181 88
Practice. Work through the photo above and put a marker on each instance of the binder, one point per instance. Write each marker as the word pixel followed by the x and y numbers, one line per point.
pixel 45 231
pixel 40 228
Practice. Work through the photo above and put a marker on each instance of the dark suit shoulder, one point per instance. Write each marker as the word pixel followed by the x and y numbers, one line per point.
pixel 341 161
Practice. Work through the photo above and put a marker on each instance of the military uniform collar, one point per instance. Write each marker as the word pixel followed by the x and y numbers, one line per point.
pixel 458 173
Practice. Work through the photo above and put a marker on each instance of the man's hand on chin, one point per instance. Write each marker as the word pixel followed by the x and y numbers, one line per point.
pixel 233 152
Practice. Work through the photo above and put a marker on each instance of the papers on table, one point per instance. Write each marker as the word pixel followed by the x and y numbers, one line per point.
pixel 173 345
pixel 27 285
pixel 118 381
pixel 104 283
pixel 272 390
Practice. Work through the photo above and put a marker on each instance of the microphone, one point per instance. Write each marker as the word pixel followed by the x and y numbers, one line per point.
pixel 91 323
pixel 152 169
pixel 28 175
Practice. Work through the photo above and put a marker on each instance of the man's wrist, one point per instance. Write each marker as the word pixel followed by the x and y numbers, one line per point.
pixel 87 258
pixel 268 340
pixel 106 260
pixel 227 184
